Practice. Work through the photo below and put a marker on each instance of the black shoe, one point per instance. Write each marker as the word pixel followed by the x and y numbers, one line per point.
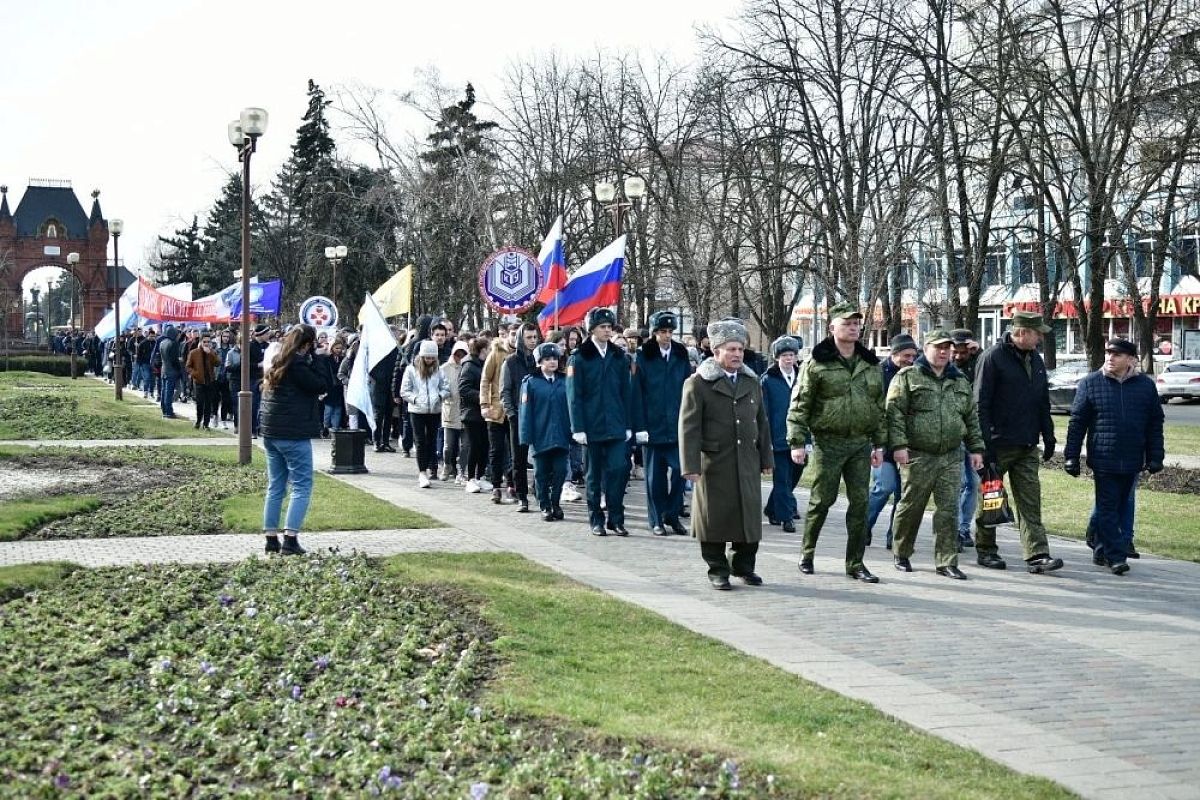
pixel 796 515
pixel 1043 563
pixel 862 574
pixel 272 544
pixel 1098 559
pixel 523 506
pixel 619 530
pixel 719 582
pixel 658 530
pixel 964 538
pixel 291 547
pixel 991 561
pixel 789 526
pixel 407 453
pixel 677 527
pixel 547 516
pixel 751 579
pixel 1120 568
pixel 598 530
pixel 196 425
pixel 557 512
pixel 684 514
pixel 952 572
pixel 806 566
pixel 1133 553
pixel 903 564
pixel 379 449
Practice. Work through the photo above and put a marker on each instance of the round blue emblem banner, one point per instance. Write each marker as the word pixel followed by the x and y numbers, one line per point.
pixel 509 280
pixel 320 312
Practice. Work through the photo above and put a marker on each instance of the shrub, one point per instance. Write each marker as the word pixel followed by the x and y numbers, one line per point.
pixel 50 365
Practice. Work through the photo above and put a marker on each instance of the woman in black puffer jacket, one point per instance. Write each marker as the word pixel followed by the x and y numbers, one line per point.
pixel 290 418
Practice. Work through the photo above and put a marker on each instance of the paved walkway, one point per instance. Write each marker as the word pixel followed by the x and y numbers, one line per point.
pixel 1082 677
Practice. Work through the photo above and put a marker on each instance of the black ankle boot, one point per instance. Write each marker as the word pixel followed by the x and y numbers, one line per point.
pixel 272 544
pixel 291 547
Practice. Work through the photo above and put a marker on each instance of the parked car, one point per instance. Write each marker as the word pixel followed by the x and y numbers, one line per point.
pixel 1179 379
pixel 1062 382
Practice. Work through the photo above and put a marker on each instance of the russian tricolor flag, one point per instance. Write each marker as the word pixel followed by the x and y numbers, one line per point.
pixel 553 258
pixel 596 283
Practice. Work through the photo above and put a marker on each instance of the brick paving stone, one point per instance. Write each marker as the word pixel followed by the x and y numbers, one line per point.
pixel 1082 677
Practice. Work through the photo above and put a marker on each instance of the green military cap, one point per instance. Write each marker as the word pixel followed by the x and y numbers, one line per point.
pixel 844 311
pixel 938 336
pixel 1029 319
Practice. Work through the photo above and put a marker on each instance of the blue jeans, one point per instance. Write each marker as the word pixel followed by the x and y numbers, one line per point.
pixel 255 402
pixel 288 460
pixel 781 505
pixel 664 496
pixel 1126 518
pixel 885 485
pixel 968 497
pixel 166 398
pixel 332 417
pixel 1113 495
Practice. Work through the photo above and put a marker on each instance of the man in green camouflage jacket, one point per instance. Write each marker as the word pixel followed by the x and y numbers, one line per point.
pixel 839 400
pixel 931 415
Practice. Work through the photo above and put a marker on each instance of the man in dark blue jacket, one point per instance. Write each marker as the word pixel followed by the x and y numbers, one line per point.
pixel 600 399
pixel 1118 411
pixel 172 368
pixel 661 366
pixel 777 383
pixel 544 424
pixel 1013 396
pixel 885 479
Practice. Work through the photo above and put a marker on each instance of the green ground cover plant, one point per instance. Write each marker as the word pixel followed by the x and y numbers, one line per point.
pixel 320 676
pixel 568 652
pixel 39 406
pixel 164 491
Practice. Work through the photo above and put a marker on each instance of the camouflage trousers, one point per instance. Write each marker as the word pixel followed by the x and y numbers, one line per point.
pixel 940 477
pixel 1020 464
pixel 836 459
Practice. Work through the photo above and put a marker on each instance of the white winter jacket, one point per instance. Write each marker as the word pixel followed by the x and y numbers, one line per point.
pixel 424 395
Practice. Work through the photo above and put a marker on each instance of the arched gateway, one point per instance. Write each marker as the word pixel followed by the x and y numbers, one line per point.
pixel 49 223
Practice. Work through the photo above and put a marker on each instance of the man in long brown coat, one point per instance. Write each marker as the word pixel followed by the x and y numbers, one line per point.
pixel 724 448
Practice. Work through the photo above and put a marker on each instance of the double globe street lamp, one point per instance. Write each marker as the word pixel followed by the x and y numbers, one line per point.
pixel 606 193
pixel 243 135
pixel 116 227
pixel 335 255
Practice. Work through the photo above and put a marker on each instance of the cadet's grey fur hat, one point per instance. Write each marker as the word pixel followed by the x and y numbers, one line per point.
pixel 784 344
pixel 726 330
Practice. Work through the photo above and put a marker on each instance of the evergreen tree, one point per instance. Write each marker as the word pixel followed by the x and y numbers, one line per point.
pixel 222 241
pixel 181 257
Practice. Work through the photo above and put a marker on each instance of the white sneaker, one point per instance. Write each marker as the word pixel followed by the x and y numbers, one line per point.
pixel 472 487
pixel 570 494
pixel 423 481
pixel 484 484
pixel 458 480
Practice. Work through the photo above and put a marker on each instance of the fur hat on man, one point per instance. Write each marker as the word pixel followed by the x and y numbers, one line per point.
pixel 547 350
pixel 663 319
pixel 727 330
pixel 784 344
pixel 600 316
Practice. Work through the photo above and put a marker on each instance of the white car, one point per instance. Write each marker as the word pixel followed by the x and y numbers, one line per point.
pixel 1179 379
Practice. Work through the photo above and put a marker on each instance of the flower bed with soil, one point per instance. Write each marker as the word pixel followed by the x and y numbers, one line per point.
pixel 289 677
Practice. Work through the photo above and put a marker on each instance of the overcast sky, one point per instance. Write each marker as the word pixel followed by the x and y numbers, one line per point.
pixel 133 96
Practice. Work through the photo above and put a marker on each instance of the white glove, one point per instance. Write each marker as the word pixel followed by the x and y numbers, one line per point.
pixel 628 434
pixel 580 438
pixel 643 437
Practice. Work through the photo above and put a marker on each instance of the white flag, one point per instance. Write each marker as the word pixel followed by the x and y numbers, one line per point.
pixel 371 348
pixel 375 331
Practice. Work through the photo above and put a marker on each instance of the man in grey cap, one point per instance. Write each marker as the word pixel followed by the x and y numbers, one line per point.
pixel 885 479
pixel 724 447
pixel 1012 393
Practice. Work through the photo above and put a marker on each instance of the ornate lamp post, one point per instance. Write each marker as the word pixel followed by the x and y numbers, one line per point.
pixel 634 189
pixel 116 227
pixel 243 135
pixel 335 256
pixel 73 261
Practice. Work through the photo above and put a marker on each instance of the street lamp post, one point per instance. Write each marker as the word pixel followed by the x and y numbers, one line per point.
pixel 634 189
pixel 116 227
pixel 243 135
pixel 73 261
pixel 335 255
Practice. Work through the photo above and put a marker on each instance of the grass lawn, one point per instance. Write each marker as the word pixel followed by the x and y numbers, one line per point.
pixel 19 516
pixel 34 405
pixel 17 579
pixel 574 654
pixel 1180 440
pixel 335 506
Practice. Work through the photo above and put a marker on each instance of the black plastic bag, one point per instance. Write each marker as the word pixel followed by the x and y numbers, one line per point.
pixel 994 499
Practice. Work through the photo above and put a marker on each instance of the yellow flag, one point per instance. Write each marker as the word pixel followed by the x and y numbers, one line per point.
pixel 394 297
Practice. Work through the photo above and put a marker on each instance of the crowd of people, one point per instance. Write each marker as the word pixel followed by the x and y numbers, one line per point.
pixel 700 417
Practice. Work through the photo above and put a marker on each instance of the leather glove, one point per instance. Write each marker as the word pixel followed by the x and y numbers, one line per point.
pixel 1154 467
pixel 628 434
pixel 1048 450
pixel 580 438
pixel 1072 467
pixel 643 437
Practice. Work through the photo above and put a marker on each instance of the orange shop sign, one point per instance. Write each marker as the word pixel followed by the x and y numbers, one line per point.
pixel 1172 305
